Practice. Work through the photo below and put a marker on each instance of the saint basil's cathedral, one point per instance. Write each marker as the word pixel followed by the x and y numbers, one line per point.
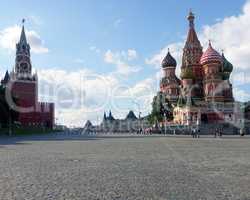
pixel 204 93
pixel 23 86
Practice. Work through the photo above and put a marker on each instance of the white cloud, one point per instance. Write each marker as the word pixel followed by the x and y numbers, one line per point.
pixel 121 59
pixel 95 49
pixel 109 57
pixel 232 34
pixel 10 36
pixel 76 92
pixel 132 54
pixel 84 95
pixel 142 93
pixel 176 52
pixel 241 95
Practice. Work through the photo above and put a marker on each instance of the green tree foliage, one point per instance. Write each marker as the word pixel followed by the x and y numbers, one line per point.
pixel 160 107
pixel 7 115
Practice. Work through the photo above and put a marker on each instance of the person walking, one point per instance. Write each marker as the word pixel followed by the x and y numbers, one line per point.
pixel 215 132
pixel 220 133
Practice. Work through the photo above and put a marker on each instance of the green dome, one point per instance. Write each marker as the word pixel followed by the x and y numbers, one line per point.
pixel 187 73
pixel 227 66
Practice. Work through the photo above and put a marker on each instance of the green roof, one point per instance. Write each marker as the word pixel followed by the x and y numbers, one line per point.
pixel 187 73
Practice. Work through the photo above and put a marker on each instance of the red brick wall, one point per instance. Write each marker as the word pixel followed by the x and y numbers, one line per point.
pixel 26 92
pixel 41 114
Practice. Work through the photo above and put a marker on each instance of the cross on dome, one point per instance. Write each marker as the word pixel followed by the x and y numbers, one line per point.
pixel 209 43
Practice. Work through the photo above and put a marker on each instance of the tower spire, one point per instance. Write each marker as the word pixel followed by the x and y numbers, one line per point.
pixel 192 53
pixel 191 18
pixel 23 39
pixel 23 63
pixel 209 43
pixel 192 50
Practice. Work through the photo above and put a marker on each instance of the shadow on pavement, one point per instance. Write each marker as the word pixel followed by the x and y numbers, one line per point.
pixel 76 136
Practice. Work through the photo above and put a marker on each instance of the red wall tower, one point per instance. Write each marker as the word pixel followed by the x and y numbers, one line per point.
pixel 24 87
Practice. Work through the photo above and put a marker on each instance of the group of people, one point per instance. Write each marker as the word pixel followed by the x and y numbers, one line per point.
pixel 195 132
pixel 218 132
pixel 147 131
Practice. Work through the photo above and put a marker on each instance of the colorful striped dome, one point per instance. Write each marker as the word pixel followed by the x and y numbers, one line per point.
pixel 210 55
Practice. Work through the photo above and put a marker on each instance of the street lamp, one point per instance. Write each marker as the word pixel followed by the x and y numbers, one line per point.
pixel 165 128
pixel 10 129
pixel 139 110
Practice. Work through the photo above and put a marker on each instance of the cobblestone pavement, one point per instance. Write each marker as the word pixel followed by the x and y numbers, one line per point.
pixel 128 168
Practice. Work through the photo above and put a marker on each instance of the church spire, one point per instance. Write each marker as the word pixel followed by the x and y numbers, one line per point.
pixel 23 66
pixel 191 18
pixel 6 78
pixel 192 38
pixel 104 116
pixel 23 39
pixel 192 51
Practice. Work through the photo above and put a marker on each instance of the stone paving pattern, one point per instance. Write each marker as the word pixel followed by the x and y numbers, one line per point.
pixel 128 168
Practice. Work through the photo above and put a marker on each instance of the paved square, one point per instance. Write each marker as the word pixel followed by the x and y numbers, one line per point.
pixel 66 167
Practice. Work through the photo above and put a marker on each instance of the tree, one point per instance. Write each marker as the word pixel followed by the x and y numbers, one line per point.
pixel 161 108
pixel 7 115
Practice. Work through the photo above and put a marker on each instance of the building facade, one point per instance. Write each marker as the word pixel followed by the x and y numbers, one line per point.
pixel 130 124
pixel 22 84
pixel 204 92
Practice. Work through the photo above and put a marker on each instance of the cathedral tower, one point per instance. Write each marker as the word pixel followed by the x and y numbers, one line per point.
pixel 192 53
pixel 212 63
pixel 170 84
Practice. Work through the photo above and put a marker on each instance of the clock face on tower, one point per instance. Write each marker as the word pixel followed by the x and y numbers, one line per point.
pixel 24 67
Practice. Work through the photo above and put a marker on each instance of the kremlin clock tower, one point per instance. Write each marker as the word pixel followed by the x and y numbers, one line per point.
pixel 23 85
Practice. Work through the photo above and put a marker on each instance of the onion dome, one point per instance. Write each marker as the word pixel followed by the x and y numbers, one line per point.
pixel 187 73
pixel 210 56
pixel 227 66
pixel 169 61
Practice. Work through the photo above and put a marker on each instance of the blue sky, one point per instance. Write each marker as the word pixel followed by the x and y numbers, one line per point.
pixel 77 35
pixel 69 28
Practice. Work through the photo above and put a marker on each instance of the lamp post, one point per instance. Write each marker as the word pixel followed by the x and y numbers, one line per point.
pixel 165 119
pixel 10 128
pixel 188 121
pixel 139 110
